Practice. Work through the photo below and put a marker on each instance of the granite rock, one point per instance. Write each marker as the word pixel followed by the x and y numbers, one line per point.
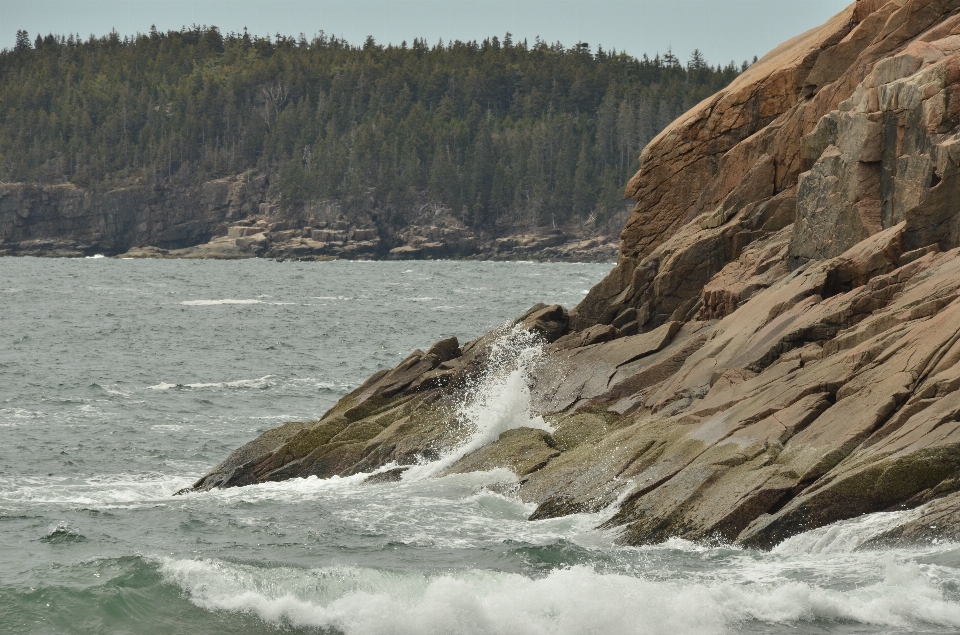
pixel 778 345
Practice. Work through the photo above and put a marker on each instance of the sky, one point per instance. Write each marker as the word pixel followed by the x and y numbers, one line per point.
pixel 723 30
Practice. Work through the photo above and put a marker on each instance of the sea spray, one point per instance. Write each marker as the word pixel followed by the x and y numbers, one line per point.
pixel 497 399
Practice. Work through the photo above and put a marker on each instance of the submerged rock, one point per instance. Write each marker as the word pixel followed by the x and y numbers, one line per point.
pixel 778 347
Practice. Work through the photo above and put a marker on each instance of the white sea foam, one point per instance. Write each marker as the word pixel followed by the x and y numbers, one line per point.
pixel 260 382
pixel 215 302
pixel 571 600
pixel 358 600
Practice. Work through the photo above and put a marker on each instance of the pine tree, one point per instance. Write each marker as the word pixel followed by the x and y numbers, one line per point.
pixel 22 41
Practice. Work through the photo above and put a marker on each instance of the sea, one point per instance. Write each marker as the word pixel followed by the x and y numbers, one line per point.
pixel 123 381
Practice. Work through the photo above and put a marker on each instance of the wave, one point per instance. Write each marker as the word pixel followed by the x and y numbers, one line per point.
pixel 215 302
pixel 112 389
pixel 260 382
pixel 63 534
pixel 572 600
pixel 101 491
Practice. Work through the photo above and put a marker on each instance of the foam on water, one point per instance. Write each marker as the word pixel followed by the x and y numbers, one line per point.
pixel 104 491
pixel 359 600
pixel 576 599
pixel 260 382
pixel 216 302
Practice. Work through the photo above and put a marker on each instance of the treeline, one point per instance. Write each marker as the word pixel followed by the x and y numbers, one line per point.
pixel 498 132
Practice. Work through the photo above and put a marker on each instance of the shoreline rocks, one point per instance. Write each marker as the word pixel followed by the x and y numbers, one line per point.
pixel 778 347
pixel 233 218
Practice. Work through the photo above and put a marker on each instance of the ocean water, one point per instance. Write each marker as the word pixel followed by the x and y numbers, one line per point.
pixel 122 381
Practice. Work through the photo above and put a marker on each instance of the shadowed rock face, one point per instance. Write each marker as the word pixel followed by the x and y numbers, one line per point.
pixel 778 347
pixel 70 221
pixel 232 218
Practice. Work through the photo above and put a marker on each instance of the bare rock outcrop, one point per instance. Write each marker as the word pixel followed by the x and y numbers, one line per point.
pixel 778 347
pixel 232 218
pixel 71 221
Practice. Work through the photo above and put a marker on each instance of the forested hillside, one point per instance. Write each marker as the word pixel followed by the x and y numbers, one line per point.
pixel 498 133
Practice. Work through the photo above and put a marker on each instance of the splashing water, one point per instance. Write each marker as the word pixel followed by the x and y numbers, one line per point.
pixel 498 399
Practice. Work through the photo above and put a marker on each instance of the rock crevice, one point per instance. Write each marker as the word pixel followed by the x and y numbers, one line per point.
pixel 778 346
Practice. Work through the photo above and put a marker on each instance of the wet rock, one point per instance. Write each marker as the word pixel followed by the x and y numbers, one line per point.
pixel 387 476
pixel 523 450
pixel 778 345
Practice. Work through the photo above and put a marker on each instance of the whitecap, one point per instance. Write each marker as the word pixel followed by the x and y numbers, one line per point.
pixel 260 382
pixel 215 302
pixel 102 491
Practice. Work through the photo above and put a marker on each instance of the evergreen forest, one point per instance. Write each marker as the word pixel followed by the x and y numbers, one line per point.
pixel 499 133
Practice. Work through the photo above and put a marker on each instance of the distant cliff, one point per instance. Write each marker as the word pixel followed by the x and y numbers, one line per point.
pixel 778 347
pixel 235 218
pixel 69 220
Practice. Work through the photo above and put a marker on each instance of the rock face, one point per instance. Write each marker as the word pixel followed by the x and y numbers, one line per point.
pixel 67 220
pixel 778 347
pixel 235 218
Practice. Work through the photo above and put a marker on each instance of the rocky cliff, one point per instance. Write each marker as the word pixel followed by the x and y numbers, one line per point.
pixel 236 218
pixel 778 346
pixel 72 221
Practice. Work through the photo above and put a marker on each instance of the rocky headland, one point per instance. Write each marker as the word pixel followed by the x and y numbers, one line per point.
pixel 777 348
pixel 233 218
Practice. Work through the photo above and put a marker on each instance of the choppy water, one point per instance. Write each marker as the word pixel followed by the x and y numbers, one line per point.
pixel 123 381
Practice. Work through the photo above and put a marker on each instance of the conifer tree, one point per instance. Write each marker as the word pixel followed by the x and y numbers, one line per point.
pixel 496 132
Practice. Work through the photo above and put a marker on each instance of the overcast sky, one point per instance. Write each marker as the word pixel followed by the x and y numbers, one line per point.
pixel 723 29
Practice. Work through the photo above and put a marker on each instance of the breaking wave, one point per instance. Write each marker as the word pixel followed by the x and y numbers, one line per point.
pixel 572 600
